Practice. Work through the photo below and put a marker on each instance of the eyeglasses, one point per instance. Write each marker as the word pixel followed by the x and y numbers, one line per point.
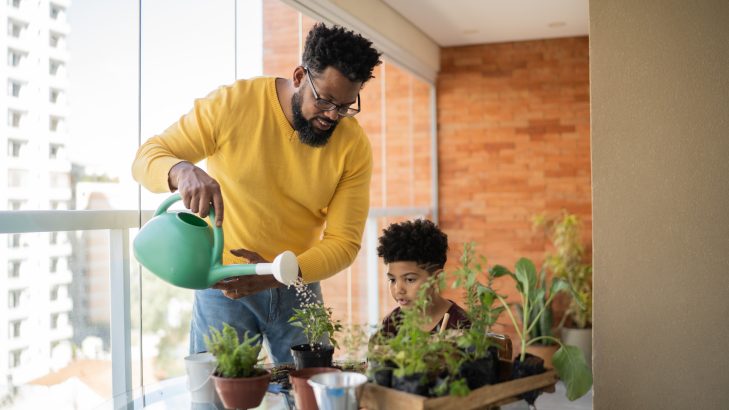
pixel 343 110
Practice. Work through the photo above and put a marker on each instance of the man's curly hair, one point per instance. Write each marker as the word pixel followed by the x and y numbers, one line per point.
pixel 419 241
pixel 348 52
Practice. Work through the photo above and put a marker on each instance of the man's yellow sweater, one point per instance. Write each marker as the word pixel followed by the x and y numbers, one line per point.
pixel 279 193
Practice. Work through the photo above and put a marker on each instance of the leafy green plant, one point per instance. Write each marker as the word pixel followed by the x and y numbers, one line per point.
pixel 568 360
pixel 478 300
pixel 567 262
pixel 235 358
pixel 417 351
pixel 540 314
pixel 316 321
pixel 354 343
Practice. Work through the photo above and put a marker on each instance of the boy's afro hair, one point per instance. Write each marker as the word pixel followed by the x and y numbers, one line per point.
pixel 420 241
pixel 348 52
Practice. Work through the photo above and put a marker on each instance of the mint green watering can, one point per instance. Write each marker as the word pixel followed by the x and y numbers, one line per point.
pixel 183 250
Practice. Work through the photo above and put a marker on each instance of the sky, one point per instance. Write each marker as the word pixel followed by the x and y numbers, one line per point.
pixel 188 49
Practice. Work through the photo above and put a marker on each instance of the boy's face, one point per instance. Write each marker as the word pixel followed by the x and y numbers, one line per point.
pixel 405 279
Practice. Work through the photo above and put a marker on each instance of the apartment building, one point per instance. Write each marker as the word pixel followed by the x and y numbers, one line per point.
pixel 35 302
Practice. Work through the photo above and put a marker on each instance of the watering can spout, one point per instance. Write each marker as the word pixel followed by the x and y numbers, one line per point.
pixel 183 250
pixel 285 268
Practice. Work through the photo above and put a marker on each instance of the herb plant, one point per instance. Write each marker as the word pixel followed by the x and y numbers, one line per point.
pixel 316 321
pixel 235 358
pixel 479 302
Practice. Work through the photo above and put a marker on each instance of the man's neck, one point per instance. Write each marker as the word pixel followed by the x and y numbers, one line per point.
pixel 284 92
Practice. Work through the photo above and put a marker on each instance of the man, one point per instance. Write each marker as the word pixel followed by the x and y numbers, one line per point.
pixel 285 158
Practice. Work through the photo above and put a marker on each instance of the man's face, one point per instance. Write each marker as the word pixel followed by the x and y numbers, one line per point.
pixel 405 278
pixel 313 124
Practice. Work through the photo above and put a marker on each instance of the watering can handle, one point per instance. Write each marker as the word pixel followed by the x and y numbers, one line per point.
pixel 217 231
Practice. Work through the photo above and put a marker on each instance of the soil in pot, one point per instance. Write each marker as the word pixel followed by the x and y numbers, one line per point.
pixel 483 371
pixel 242 392
pixel 532 365
pixel 307 355
pixel 414 383
pixel 303 393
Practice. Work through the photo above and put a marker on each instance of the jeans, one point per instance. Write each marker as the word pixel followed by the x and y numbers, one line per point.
pixel 266 313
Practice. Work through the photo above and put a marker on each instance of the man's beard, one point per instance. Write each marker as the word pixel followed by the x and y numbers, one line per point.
pixel 308 134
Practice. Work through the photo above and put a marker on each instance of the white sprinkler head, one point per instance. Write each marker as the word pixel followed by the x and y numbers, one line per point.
pixel 285 268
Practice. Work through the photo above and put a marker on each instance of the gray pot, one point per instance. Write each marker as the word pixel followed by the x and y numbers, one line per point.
pixel 581 338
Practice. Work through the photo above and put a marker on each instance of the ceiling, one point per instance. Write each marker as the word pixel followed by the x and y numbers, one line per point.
pixel 463 22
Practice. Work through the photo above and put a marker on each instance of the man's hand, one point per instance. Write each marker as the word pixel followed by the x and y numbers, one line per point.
pixel 240 286
pixel 197 189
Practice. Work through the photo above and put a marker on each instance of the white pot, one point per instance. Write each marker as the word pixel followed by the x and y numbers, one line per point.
pixel 581 338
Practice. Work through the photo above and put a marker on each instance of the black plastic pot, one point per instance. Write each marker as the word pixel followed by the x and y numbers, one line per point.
pixel 381 373
pixel 307 355
pixel 532 365
pixel 414 383
pixel 483 371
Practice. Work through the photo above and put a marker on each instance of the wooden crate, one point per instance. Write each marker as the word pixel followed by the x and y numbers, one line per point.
pixel 375 397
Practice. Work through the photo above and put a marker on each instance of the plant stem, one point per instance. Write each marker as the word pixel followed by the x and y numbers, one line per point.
pixel 541 312
pixel 513 320
pixel 554 339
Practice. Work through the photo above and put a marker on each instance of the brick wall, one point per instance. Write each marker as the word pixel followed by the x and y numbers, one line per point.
pixel 513 123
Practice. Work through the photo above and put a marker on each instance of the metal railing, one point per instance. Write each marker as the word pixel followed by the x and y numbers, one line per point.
pixel 118 223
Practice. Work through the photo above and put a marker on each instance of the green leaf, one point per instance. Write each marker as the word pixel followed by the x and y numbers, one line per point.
pixel 559 285
pixel 497 271
pixel 573 370
pixel 526 274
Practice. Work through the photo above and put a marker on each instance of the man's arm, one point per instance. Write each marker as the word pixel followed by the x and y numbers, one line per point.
pixel 164 163
pixel 346 217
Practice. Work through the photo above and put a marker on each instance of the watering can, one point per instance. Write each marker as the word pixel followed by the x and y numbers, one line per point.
pixel 183 250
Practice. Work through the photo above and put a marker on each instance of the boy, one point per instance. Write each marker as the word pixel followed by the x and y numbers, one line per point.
pixel 414 251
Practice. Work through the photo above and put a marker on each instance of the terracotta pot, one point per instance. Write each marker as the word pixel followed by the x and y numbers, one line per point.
pixel 581 338
pixel 242 392
pixel 545 352
pixel 303 393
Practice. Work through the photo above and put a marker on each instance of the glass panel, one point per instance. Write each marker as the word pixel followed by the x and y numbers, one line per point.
pixel 179 65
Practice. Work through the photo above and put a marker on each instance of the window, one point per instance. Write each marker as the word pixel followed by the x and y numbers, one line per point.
pixel 54 151
pixel 15 57
pixel 53 238
pixel 54 66
pixel 14 329
pixel 14 240
pixel 15 204
pixel 53 123
pixel 14 4
pixel 14 298
pixel 54 293
pixel 14 118
pixel 17 178
pixel 56 11
pixel 55 320
pixel 53 95
pixel 14 88
pixel 54 39
pixel 15 148
pixel 53 265
pixel 59 205
pixel 60 180
pixel 14 358
pixel 15 28
pixel 14 269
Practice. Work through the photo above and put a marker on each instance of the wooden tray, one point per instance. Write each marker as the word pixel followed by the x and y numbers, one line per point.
pixel 376 397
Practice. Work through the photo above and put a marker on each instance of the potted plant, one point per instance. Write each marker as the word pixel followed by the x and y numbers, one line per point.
pixel 480 365
pixel 568 262
pixel 424 364
pixel 316 321
pixel 240 383
pixel 568 361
